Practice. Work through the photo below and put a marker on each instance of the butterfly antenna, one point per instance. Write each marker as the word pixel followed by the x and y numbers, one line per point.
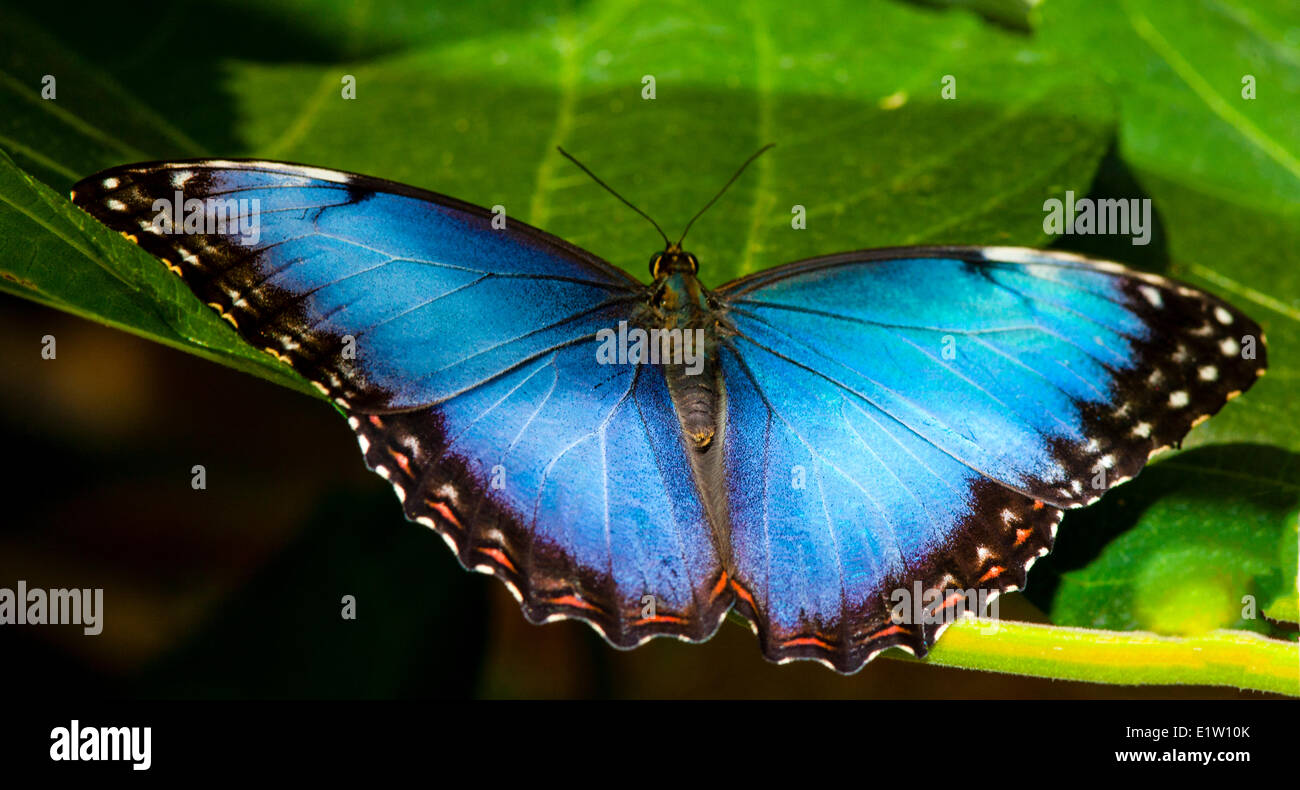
pixel 596 178
pixel 725 186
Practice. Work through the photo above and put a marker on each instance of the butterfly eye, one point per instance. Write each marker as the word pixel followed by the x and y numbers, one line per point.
pixel 654 264
pixel 695 264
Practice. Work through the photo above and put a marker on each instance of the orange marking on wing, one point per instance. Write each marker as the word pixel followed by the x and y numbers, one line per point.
pixel 500 557
pixel 802 641
pixel 992 573
pixel 1038 504
pixel 442 510
pixel 574 601
pixel 744 595
pixel 662 618
pixel 952 598
pixel 893 629
pixel 1022 535
pixel 402 461
pixel 720 586
pixel 375 421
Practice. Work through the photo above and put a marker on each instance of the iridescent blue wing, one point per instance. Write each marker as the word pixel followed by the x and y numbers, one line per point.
pixel 924 415
pixel 465 358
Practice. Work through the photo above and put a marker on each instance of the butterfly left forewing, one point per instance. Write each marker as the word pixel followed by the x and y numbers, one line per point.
pixel 355 281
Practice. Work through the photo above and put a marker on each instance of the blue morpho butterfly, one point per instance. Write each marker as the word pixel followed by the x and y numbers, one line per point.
pixel 852 426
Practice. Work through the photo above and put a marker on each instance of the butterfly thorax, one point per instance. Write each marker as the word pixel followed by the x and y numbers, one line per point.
pixel 679 305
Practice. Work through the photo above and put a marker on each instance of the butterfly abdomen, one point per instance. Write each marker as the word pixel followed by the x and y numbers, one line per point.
pixel 696 398
pixel 692 371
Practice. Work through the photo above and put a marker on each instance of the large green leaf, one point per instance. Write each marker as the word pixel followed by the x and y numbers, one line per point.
pixel 1222 170
pixel 865 142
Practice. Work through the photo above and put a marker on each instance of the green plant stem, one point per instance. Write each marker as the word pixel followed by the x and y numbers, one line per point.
pixel 1239 659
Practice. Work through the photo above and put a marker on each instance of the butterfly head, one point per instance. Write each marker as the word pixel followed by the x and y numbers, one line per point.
pixel 672 261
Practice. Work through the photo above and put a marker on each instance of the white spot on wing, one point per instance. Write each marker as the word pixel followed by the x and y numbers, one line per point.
pixel 1012 254
pixel 448 493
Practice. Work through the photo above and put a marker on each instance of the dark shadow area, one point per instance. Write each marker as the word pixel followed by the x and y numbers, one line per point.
pixel 1116 181
pixel 1010 15
pixel 175 57
pixel 419 628
pixel 234 590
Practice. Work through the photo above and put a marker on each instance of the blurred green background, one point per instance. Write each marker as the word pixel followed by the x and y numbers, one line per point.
pixel 235 591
